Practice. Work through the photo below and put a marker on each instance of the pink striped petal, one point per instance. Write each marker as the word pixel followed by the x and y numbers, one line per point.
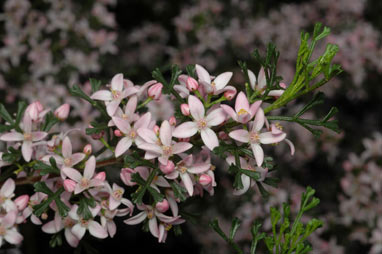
pixel 66 147
pixel 12 136
pixel 122 146
pixel 38 135
pixel 8 188
pixel 131 106
pixel 269 138
pixel 180 147
pixel 122 124
pixel 77 157
pixel 222 80
pixel 78 231
pixel 73 174
pixel 9 219
pixel 147 135
pixel 215 117
pixel 202 73
pixel 89 167
pixel 196 107
pixel 186 179
pixel 209 138
pixel 258 123
pixel 240 135
pixel 136 219
pixel 71 238
pixel 252 79
pixel 255 107
pixel 229 111
pixel 27 150
pixel 112 107
pixel 241 102
pixel 185 130
pixel 103 95
pixel 153 148
pixel 258 153
pixel 153 226
pixel 199 168
pixel 261 81
pixel 50 227
pixel 96 230
pixel 165 133
pixel 13 237
pixel 27 123
pixel 111 228
pixel 291 146
pixel 143 121
pixel 117 82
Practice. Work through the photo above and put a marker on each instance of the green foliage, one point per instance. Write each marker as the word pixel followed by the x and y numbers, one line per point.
pixel 83 208
pixel 168 87
pixel 47 169
pixel 137 197
pixel 76 91
pixel 12 124
pixel 39 209
pixel 50 121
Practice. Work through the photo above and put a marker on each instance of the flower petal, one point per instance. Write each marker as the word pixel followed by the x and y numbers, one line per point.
pixel 147 135
pixel 122 146
pixel 96 230
pixel 122 124
pixel 77 157
pixel 202 73
pixel 216 117
pixel 258 123
pixel 71 238
pixel 103 95
pixel 73 174
pixel 229 111
pixel 240 135
pixel 291 146
pixel 252 79
pixel 180 147
pixel 66 147
pixel 8 188
pixel 258 153
pixel 254 107
pixel 209 138
pixel 152 148
pixel 112 107
pixel 153 226
pixel 196 107
pixel 222 80
pixel 27 150
pixel 165 133
pixel 38 135
pixel 117 82
pixel 78 231
pixel 241 102
pixel 246 184
pixel 185 130
pixel 261 81
pixel 186 179
pixel 89 167
pixel 136 219
pixel 143 121
pixel 12 136
pixel 269 138
pixel 13 237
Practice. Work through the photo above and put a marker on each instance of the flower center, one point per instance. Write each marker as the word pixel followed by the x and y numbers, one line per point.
pixel 27 136
pixel 68 162
pixel 2 199
pixel 279 126
pixel 117 194
pixel 242 112
pixel 2 230
pixel 167 150
pixel 132 134
pixel 254 137
pixel 84 223
pixel 125 117
pixel 150 214
pixel 84 183
pixel 167 227
pixel 68 222
pixel 182 169
pixel 202 123
pixel 116 94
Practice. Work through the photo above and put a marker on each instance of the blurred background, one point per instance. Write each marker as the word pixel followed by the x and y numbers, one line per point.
pixel 47 46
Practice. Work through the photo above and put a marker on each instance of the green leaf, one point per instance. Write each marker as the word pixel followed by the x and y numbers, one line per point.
pixel 45 169
pixel 234 227
pixel 317 99
pixel 5 115
pixel 11 155
pixel 83 208
pixel 252 174
pixel 238 183
pixel 177 230
pixel 76 91
pixel 4 128
pixel 55 240
pixel 191 71
pixel 158 197
pixel 272 181
pixel 96 128
pixel 179 191
pixel 44 205
pixel 264 193
pixel 22 105
pixel 50 121
pixel 95 84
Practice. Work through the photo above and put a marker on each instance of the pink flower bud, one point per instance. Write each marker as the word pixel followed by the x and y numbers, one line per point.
pixel 185 109
pixel 39 106
pixel 229 94
pixel 155 91
pixel 22 202
pixel 100 176
pixel 88 149
pixel 205 179
pixel 162 206
pixel 33 110
pixel 118 133
pixel 69 185
pixel 192 84
pixel 283 85
pixel 126 176
pixel 223 135
pixel 156 129
pixel 172 121
pixel 97 136
pixel 62 112
pixel 168 168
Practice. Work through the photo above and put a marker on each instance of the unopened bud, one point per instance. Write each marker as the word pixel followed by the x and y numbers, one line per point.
pixel 125 176
pixel 118 133
pixel 155 91
pixel 22 202
pixel 62 112
pixel 283 85
pixel 69 185
pixel 192 84
pixel 223 135
pixel 162 206
pixel 185 109
pixel 229 94
pixel 97 136
pixel 32 111
pixel 205 179
pixel 168 168
pixel 88 149
pixel 100 176
pixel 156 129
pixel 172 121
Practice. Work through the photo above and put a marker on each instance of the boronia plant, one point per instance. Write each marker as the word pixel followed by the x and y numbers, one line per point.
pixel 160 164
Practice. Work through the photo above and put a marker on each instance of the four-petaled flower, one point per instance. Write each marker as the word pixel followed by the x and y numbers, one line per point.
pixel 243 112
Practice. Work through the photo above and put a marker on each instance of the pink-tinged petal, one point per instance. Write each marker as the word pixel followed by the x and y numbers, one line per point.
pixel 246 184
pixel 215 117
pixel 240 135
pixel 96 230
pixel 122 124
pixel 103 95
pixel 241 102
pixel 291 146
pixel 72 174
pixel 261 81
pixel 188 184
pixel 244 118
pixel 77 158
pixel 78 231
pixel 112 107
pixel 35 220
pixel 276 93
pixel 136 219
pixel 8 188
pixel 113 203
pixel 50 227
pixel 182 90
pixel 89 167
pixel 162 234
pixel 96 182
pixel 163 159
pixel 122 146
pixel 27 150
pixel 255 107
pixel 202 73
pixel 143 121
pixel 27 123
pixel 199 168
pixel 147 135
pixel 153 226
pixel 173 206
pixel 196 107
pixel 129 91
pixel 117 82
pixel 172 175
pixel 111 228
pixel 258 123
pixel 12 136
pixel 153 148
pixel 185 130
pixel 269 138
pixel 181 147
pixel 9 219
pixel 229 111
pixel 131 106
pixel 150 155
pixel 66 147
pixel 209 138
pixel 252 79
pixel 258 153
pixel 13 237
pixel 162 182
pixel 165 133
pixel 71 238
pixel 38 135
pixel 222 80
